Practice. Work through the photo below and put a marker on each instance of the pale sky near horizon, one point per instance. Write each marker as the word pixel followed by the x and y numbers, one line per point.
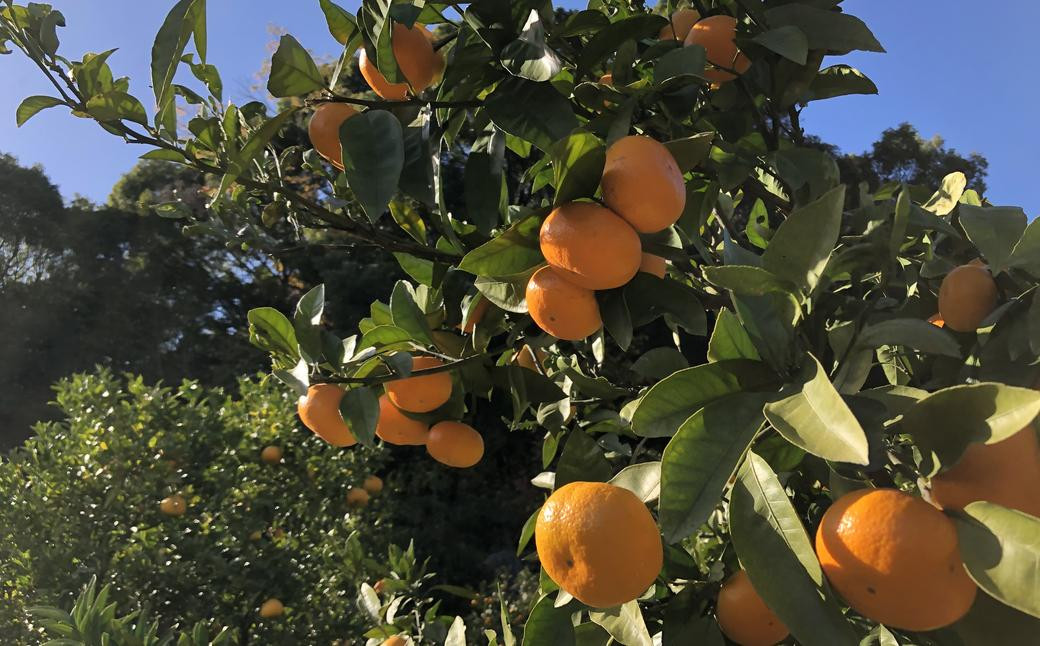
pixel 950 70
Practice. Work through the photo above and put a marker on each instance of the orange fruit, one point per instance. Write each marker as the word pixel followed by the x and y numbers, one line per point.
pixel 561 308
pixel 424 393
pixel 679 25
pixel 455 444
pixel 607 79
pixel 599 543
pixel 379 586
pixel 1006 473
pixel 716 35
pixel 439 62
pixel 643 184
pixel 967 296
pixel 394 427
pixel 323 130
pixel 475 315
pixel 529 358
pixel 271 454
pixel 894 558
pixel 654 265
pixel 413 51
pixel 590 246
pixel 319 411
pixel 373 484
pixel 937 321
pixel 174 505
pixel 744 617
pixel 271 608
pixel 357 497
pixel 396 640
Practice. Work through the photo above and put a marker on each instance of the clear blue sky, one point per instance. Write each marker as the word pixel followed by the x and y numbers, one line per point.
pixel 950 70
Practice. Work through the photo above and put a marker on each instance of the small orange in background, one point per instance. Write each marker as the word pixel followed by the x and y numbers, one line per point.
pixel 968 295
pixel 394 427
pixel 744 617
pixel 379 586
pixel 413 51
pixel 357 497
pixel 396 640
pixel 643 184
pixel 455 444
pixel 373 485
pixel 319 411
pixel 607 79
pixel 271 608
pixel 526 357
pixel 271 454
pixel 679 24
pixel 174 505
pixel 894 558
pixel 421 394
pixel 323 130
pixel 654 265
pixel 561 308
pixel 717 35
pixel 476 315
pixel 590 246
pixel 1006 473
pixel 598 542
pixel 937 321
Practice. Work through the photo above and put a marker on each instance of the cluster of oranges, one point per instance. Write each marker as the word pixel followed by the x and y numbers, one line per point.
pixel 452 443
pixel 590 247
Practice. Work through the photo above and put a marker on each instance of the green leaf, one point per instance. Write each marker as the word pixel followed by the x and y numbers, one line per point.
pixel 839 33
pixel 548 625
pixel 528 531
pixel 649 297
pixel 373 157
pixel 163 154
pixel 360 409
pixel 802 245
pixel 506 292
pixel 273 330
pixel 113 105
pixel 690 152
pixel 528 56
pixel 681 63
pixel 839 80
pixel 407 315
pixel 778 557
pixel 581 460
pixel 815 418
pixel 485 189
pixel 383 335
pixel 668 404
pixel 48 37
pixel 769 320
pixel 912 333
pixel 624 623
pixel 658 363
pixel 992 623
pixel 1027 252
pixel 30 106
pixel 995 230
pixel 311 305
pixel 701 457
pixel 293 72
pixel 789 41
pixel 169 45
pixel 419 269
pixel 577 166
pixel 746 280
pixel 729 339
pixel 949 194
pixel 643 479
pixel 407 217
pixel 1001 551
pixel 456 633
pixel 509 109
pixel 607 40
pixel 342 25
pixel 617 319
pixel 515 251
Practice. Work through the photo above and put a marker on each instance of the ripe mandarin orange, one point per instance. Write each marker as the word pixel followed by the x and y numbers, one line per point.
pixel 323 130
pixel 643 184
pixel 1006 473
pixel 894 558
pixel 744 617
pixel 373 484
pixel 475 315
pixel 455 444
pixel 439 62
pixel 174 505
pixel 561 308
pixel 357 497
pixel 421 394
pixel 415 57
pixel 271 608
pixel 319 411
pixel 967 295
pixel 716 35
pixel 679 25
pixel 599 543
pixel 654 265
pixel 590 246
pixel 271 454
pixel 395 640
pixel 394 427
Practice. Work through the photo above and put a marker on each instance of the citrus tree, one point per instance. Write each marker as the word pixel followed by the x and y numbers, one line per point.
pixel 772 406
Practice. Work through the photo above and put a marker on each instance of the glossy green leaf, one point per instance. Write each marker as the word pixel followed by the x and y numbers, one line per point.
pixel 548 625
pixel 508 107
pixel 617 319
pixel 1027 252
pixel 649 297
pixel 669 403
pixel 293 71
pixel 360 409
pixel 945 422
pixel 992 623
pixel 383 335
pixel 342 25
pixel 484 187
pixel 658 363
pixel 527 532
pixel 839 33
pixel 789 41
pixel 1001 551
pixel 946 198
pixel 701 457
pixel 840 80
pixel 624 623
pixel 994 230
pixel 643 479
pixel 528 56
pixel 407 217
pixel 112 106
pixel 776 553
pixel 802 245
pixel 816 419
pixel 515 251
pixel 273 330
pixel 746 280
pixel 912 333
pixel 680 63
pixel 577 166
pixel 30 106
pixel 729 339
pixel 690 152
pixel 407 315
pixel 581 460
pixel 373 157
pixel 607 40
pixel 169 45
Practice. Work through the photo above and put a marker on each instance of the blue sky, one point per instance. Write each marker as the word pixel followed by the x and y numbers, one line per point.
pixel 950 70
